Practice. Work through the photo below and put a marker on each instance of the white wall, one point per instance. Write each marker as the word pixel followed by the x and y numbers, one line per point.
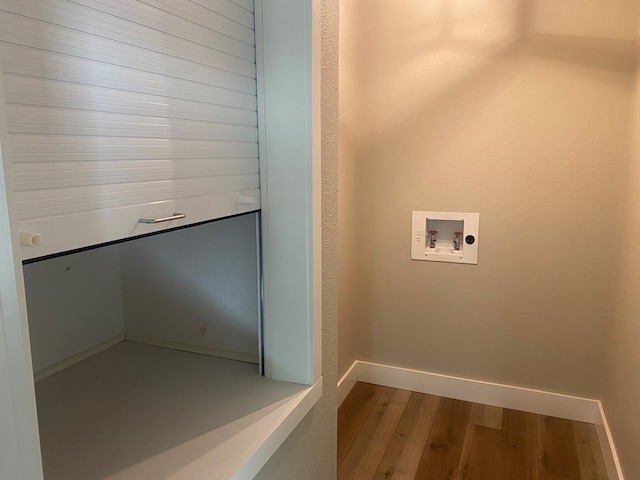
pixel 196 286
pixel 74 302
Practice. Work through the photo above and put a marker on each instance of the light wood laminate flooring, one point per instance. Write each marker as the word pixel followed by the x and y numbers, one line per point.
pixel 385 433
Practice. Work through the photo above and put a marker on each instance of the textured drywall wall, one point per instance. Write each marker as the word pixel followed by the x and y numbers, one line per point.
pixel 74 302
pixel 310 451
pixel 622 368
pixel 348 130
pixel 612 20
pixel 498 108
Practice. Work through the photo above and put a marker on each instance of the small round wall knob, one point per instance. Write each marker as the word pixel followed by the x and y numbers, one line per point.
pixel 30 239
pixel 470 239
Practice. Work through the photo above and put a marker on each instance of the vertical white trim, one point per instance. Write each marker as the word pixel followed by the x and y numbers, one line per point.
pixel 347 382
pixel 10 465
pixel 316 190
pixel 264 179
pixel 259 290
pixel 21 459
pixel 607 445
pixel 289 119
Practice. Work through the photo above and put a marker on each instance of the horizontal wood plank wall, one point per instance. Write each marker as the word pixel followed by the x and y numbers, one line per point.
pixel 112 104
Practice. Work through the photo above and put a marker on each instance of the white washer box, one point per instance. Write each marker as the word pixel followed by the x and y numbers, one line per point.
pixel 445 237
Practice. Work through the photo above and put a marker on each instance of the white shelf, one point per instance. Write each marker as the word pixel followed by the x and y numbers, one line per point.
pixel 138 411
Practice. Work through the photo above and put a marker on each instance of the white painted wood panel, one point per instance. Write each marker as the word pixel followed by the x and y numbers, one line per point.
pixel 118 21
pixel 290 174
pixel 123 69
pixel 110 224
pixel 33 204
pixel 247 442
pixel 73 174
pixel 74 302
pixel 246 4
pixel 195 286
pixel 19 442
pixel 164 414
pixel 103 90
pixel 114 105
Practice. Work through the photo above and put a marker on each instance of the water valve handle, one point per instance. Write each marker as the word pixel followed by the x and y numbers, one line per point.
pixel 432 238
pixel 457 236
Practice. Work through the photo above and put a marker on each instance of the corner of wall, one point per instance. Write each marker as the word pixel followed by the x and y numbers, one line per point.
pixel 621 389
pixel 348 206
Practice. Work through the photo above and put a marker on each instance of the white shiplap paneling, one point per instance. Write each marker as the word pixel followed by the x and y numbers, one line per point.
pixel 114 104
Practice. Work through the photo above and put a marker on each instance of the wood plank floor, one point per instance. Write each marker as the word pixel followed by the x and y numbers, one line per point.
pixel 385 433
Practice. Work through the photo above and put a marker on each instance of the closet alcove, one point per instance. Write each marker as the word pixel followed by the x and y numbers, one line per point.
pixel 185 348
pixel 135 344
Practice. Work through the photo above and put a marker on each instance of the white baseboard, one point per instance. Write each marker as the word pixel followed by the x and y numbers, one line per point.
pixel 185 347
pixel 607 445
pixel 347 382
pixel 487 393
pixel 77 358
